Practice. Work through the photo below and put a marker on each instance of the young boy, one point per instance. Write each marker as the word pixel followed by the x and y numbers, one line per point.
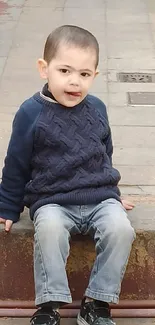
pixel 59 164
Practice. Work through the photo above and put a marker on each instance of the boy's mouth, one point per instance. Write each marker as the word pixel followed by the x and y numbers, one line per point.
pixel 73 93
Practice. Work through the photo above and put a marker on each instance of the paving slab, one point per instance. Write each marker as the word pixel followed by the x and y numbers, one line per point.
pixel 138 6
pixel 102 95
pixel 128 52
pixel 15 95
pixel 45 3
pixel 34 15
pixel 135 116
pixel 11 13
pixel 117 99
pixel 134 157
pixel 85 4
pixel 126 35
pixel 148 190
pixel 132 64
pixel 126 87
pixel 77 16
pixel 12 3
pixel 5 47
pixel 128 191
pixel 129 17
pixel 131 137
pixel 2 64
pixel 127 29
pixel 137 175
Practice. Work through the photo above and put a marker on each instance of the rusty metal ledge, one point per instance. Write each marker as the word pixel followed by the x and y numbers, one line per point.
pixel 123 304
pixel 72 313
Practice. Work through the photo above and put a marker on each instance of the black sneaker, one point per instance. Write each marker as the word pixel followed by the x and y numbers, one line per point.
pixel 94 313
pixel 45 317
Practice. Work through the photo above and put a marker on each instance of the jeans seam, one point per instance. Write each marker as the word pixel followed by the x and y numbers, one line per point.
pixel 96 260
pixel 122 273
pixel 43 265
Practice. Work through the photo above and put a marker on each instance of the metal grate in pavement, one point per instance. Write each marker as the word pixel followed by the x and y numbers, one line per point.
pixel 141 98
pixel 136 77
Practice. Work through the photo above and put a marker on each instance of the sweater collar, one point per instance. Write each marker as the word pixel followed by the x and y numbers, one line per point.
pixel 48 97
pixel 46 94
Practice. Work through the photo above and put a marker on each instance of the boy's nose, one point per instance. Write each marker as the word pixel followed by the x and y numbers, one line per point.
pixel 74 80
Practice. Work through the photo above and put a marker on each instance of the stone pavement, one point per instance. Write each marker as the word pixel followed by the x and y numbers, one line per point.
pixel 126 33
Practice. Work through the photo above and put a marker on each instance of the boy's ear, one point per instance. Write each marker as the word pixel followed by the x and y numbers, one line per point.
pixel 42 67
pixel 96 73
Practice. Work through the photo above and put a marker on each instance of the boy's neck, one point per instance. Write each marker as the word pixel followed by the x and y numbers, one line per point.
pixel 46 92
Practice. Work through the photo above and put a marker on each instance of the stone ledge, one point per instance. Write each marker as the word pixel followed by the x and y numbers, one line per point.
pixel 142 217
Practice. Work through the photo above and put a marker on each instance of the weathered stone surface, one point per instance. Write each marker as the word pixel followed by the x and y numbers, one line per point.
pixel 17 260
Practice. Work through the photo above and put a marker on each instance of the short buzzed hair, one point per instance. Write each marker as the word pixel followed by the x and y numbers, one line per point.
pixel 70 35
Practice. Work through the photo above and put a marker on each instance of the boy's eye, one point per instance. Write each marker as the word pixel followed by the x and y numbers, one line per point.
pixel 64 71
pixel 85 74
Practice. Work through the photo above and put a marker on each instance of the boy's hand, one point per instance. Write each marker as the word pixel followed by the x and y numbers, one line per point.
pixel 7 223
pixel 127 204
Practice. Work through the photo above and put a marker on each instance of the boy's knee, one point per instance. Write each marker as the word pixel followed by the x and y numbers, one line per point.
pixel 120 231
pixel 124 231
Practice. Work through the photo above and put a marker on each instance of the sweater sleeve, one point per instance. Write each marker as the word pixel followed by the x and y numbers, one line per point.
pixel 16 172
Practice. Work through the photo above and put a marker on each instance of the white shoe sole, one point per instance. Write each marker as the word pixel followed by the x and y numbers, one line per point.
pixel 80 320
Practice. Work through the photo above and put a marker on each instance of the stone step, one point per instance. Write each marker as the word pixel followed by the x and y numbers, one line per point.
pixel 71 321
pixel 16 260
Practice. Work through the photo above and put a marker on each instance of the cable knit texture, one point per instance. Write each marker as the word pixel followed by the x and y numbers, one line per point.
pixel 69 152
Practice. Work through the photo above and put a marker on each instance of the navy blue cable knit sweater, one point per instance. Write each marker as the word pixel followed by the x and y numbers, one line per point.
pixel 58 155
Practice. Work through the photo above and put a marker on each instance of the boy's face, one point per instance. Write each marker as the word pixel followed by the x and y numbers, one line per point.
pixel 70 74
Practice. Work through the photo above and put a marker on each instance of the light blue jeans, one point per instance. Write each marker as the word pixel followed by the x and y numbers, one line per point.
pixel 111 230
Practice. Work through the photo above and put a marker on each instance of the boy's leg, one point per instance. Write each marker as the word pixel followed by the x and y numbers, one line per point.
pixel 113 235
pixel 51 248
